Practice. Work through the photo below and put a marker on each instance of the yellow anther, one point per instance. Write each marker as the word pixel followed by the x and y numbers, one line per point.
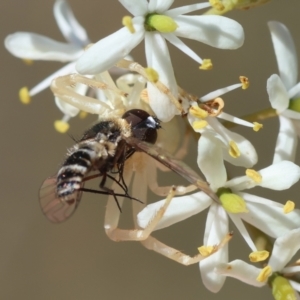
pixel 206 250
pixel 24 95
pixel 152 75
pixel 217 4
pixel 206 64
pixel 199 124
pixel 198 112
pixel 264 274
pixel 234 151
pixel 83 114
pixel 127 22
pixel 282 288
pixel 259 256
pixel 245 82
pixel 255 176
pixel 27 62
pixel 161 23
pixel 289 206
pixel 61 126
pixel 233 203
pixel 257 126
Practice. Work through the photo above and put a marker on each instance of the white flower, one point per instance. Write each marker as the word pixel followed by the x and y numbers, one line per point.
pixel 32 46
pixel 284 92
pixel 156 23
pixel 217 143
pixel 285 247
pixel 265 214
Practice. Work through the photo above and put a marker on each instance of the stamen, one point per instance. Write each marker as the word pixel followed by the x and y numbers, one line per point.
pixel 61 126
pixel 199 124
pixel 245 82
pixel 24 95
pixel 206 250
pixel 152 75
pixel 160 23
pixel 231 202
pixel 257 126
pixel 27 62
pixel 289 206
pixel 257 256
pixel 264 274
pixel 198 112
pixel 127 22
pixel 217 4
pixel 206 65
pixel 83 114
pixel 255 176
pixel 234 150
pixel 214 107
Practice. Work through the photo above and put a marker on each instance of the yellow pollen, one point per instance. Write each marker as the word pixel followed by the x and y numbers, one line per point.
pixel 206 250
pixel 199 124
pixel 161 23
pixel 289 206
pixel 61 126
pixel 27 62
pixel 264 274
pixel 257 126
pixel 24 95
pixel 127 22
pixel 233 203
pixel 83 114
pixel 152 75
pixel 217 4
pixel 198 112
pixel 259 256
pixel 206 65
pixel 245 82
pixel 234 150
pixel 255 176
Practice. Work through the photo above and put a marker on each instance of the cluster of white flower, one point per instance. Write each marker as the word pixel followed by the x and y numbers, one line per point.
pixel 157 24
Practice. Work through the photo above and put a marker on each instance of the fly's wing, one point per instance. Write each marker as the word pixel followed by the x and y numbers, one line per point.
pixel 55 208
pixel 173 164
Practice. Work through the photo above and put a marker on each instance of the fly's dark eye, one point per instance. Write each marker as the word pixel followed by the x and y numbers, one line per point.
pixel 144 127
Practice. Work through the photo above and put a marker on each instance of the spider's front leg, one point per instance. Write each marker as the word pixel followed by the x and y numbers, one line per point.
pixel 116 234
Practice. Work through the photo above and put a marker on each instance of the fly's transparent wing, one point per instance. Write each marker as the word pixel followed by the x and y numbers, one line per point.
pixel 174 164
pixel 57 209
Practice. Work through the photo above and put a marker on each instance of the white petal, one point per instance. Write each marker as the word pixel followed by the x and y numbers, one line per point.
pixel 285 247
pixel 215 230
pixel 291 114
pixel 27 45
pixel 135 7
pixel 220 92
pixel 248 155
pixel 180 209
pixel 158 58
pixel 280 176
pixel 210 160
pixel 287 141
pixel 174 40
pixel 240 270
pixel 285 52
pixel 296 286
pixel 216 31
pixel 65 70
pixel 270 219
pixel 278 95
pixel 68 25
pixel 108 51
pixel 159 6
pixel 174 12
pixel 294 92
